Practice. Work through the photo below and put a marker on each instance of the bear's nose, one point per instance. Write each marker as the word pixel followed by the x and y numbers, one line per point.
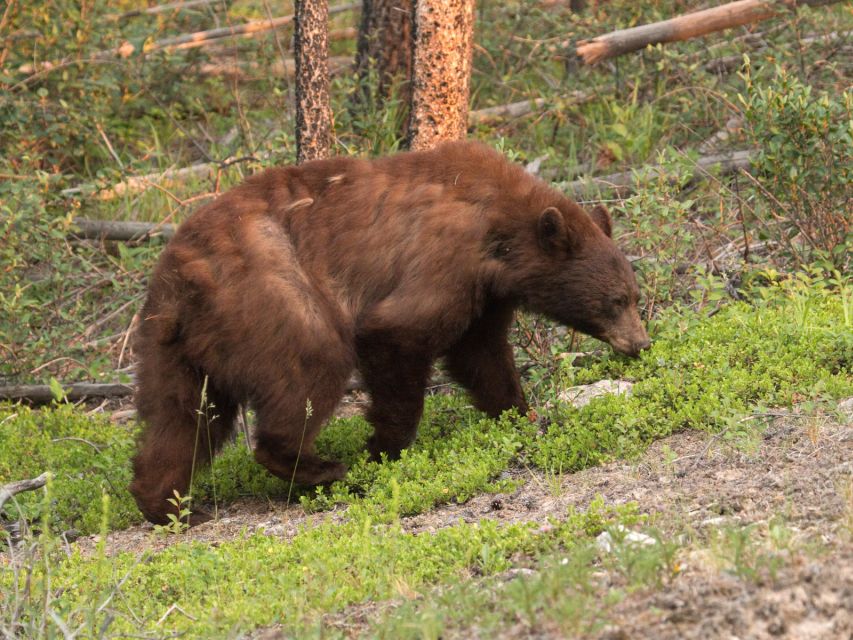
pixel 642 345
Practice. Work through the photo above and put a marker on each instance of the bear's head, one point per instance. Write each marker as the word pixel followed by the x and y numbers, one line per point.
pixel 573 272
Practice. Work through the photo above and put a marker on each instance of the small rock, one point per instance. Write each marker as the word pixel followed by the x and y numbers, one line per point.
pixel 582 395
pixel 714 522
pixel 519 572
pixel 604 542
pixel 845 408
pixel 776 627
pixel 612 632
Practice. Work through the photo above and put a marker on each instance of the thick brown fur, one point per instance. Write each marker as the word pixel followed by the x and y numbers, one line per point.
pixel 273 294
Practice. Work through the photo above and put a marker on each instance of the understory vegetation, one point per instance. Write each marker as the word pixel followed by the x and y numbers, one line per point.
pixel 746 291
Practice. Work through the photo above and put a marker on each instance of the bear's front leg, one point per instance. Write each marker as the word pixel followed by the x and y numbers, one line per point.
pixel 482 361
pixel 395 379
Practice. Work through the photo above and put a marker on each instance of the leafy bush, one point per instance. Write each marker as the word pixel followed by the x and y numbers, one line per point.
pixel 805 164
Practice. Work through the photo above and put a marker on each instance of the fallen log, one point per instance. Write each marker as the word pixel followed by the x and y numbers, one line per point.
pixel 726 64
pixel 685 27
pixel 278 69
pixel 13 488
pixel 518 109
pixel 185 40
pixel 41 394
pixel 163 8
pixel 120 231
pixel 622 183
pixel 38 394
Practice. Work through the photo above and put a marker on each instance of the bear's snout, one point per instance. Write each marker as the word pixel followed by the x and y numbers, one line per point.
pixel 628 335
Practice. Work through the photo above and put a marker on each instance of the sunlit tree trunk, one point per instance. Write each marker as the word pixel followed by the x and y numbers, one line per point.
pixel 311 51
pixel 443 44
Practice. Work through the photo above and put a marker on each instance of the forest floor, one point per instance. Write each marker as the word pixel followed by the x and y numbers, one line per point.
pixel 796 475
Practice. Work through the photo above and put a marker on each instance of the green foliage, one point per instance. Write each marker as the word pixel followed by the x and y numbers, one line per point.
pixel 88 457
pixel 259 580
pixel 795 342
pixel 177 522
pixel 805 160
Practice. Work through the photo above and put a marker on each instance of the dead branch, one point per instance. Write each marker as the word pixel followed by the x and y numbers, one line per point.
pixel 163 8
pixel 14 488
pixel 37 394
pixel 519 109
pixel 622 183
pixel 278 69
pixel 121 231
pixel 727 64
pixel 187 40
pixel 688 26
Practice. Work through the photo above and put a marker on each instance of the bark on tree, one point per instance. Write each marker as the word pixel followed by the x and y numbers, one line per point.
pixel 311 53
pixel 385 46
pixel 685 27
pixel 443 46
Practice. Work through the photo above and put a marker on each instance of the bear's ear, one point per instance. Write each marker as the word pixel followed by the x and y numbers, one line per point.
pixel 601 217
pixel 551 229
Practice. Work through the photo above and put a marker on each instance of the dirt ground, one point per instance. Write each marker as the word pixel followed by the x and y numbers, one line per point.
pixel 800 469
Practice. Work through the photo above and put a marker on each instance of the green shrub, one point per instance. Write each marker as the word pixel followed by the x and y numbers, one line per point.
pixel 804 140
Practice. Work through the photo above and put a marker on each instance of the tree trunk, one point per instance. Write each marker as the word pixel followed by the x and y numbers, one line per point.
pixel 385 46
pixel 443 47
pixel 311 52
pixel 685 27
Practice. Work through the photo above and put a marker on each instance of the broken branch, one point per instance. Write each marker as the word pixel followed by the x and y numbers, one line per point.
pixel 14 488
pixel 685 27
pixel 37 394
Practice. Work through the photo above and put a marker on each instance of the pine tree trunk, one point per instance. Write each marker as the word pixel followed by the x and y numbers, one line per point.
pixel 385 45
pixel 311 53
pixel 443 46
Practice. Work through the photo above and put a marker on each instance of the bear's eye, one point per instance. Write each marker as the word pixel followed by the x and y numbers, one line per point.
pixel 620 301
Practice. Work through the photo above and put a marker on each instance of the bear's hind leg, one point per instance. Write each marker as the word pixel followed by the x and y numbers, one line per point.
pixel 292 410
pixel 287 428
pixel 182 431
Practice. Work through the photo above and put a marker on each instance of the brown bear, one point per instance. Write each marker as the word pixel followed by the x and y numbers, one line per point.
pixel 273 294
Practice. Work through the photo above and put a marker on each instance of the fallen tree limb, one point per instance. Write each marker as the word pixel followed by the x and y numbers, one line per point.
pixel 120 231
pixel 726 64
pixel 38 394
pixel 278 69
pixel 185 40
pixel 14 488
pixel 164 8
pixel 688 26
pixel 518 109
pixel 622 183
